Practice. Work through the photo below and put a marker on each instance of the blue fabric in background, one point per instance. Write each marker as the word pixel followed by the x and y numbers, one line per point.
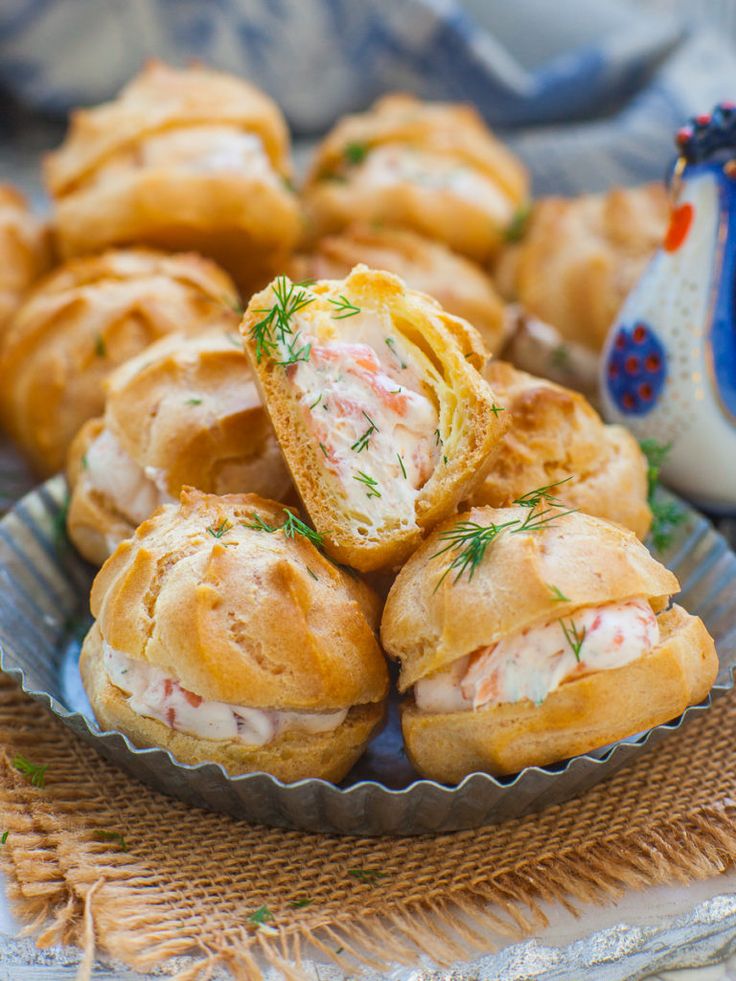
pixel 589 92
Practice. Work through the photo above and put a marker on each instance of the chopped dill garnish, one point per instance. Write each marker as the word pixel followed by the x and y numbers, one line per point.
pixel 295 353
pixel 100 346
pixel 102 835
pixel 312 574
pixel 666 515
pixel 444 460
pixel 517 226
pixel 194 401
pixel 437 438
pixel 316 402
pixel 470 540
pixel 300 903
pixel 217 531
pixel 495 409
pixel 344 308
pixel 574 638
pixel 557 595
pixel 36 772
pixel 262 914
pixel 401 464
pixel 391 344
pixel 362 442
pixel 275 326
pixel 355 153
pixel 291 527
pixel 396 391
pixel 4 837
pixel 533 499
pixel 369 482
pixel 324 450
pixel 367 875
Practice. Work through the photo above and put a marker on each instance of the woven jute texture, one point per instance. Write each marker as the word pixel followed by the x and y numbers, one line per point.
pixel 191 881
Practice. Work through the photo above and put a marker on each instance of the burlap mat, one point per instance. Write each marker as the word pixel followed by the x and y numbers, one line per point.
pixel 192 880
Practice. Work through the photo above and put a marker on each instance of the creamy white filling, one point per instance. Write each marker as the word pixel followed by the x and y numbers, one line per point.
pixel 393 164
pixel 200 149
pixel 533 663
pixel 362 400
pixel 135 491
pixel 155 695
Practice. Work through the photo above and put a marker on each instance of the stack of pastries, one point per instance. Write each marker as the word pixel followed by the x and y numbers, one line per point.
pixel 299 461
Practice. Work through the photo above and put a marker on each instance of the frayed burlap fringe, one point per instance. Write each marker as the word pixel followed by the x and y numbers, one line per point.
pixel 191 881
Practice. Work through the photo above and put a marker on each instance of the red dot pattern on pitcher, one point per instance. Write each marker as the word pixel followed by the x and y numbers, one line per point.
pixel 636 369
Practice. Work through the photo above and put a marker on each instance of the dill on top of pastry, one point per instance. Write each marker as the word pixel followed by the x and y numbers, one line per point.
pixel 185 411
pixel 374 395
pixel 183 159
pixel 533 633
pixel 433 167
pixel 82 321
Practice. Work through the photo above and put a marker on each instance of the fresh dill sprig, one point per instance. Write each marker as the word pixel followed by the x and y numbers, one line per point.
pixel 36 772
pixel 355 153
pixel 367 875
pixel 291 527
pixel 391 344
pixel 275 326
pixel 574 638
pixel 101 834
pixel 666 515
pixel 369 482
pixel 362 442
pixel 557 595
pixel 540 519
pixel 534 498
pixel 217 531
pixel 470 540
pixel 343 307
pixel 401 464
pixel 295 353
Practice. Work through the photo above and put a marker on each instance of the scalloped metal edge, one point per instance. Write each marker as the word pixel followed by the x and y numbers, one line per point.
pixel 619 753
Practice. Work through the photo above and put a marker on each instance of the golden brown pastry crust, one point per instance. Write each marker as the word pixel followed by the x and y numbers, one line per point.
pixel 249 617
pixel 581 715
pixel 336 193
pixel 85 319
pixel 591 561
pixel 25 250
pixel 468 429
pixel 580 257
pixel 555 434
pixel 244 221
pixel 294 755
pixel 188 408
pixel 457 284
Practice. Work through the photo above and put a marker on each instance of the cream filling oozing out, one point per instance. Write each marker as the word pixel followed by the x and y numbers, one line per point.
pixel 363 402
pixel 135 491
pixel 155 695
pixel 533 663
pixel 199 149
pixel 393 164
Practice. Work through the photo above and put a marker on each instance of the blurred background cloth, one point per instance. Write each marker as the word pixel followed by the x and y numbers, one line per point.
pixel 589 92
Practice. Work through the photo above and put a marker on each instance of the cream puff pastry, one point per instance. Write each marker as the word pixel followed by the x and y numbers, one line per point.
pixel 373 392
pixel 580 257
pixel 85 319
pixel 428 166
pixel 182 159
pixel 25 251
pixel 185 411
pixel 556 437
pixel 223 634
pixel 528 635
pixel 457 284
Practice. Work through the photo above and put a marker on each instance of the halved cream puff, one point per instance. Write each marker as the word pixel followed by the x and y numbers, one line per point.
pixel 185 411
pixel 458 284
pixel 223 634
pixel 527 635
pixel 556 437
pixel 375 397
pixel 82 321
pixel 433 167
pixel 183 159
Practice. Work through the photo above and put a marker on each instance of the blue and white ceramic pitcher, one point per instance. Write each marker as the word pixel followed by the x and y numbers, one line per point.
pixel 669 365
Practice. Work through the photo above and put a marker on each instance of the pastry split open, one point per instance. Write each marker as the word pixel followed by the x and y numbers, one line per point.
pixel 458 285
pixel 432 167
pixel 383 419
pixel 82 321
pixel 183 159
pixel 556 437
pixel 186 411
pixel 223 634
pixel 528 635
